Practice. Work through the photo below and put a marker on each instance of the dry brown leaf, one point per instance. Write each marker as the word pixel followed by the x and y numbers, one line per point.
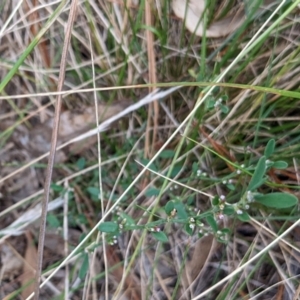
pixel 71 125
pixel 192 10
pixel 203 249
pixel 29 267
pixel 11 261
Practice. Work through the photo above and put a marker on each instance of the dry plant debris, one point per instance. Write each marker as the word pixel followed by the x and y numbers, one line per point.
pixel 191 11
pixel 139 266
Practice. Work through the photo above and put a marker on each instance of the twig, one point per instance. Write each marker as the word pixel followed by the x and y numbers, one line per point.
pixel 53 147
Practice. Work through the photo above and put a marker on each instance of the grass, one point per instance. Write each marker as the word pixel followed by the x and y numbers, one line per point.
pixel 194 197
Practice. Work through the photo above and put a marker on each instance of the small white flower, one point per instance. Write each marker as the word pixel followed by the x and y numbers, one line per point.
pixel 221 206
pixel 222 197
pixel 192 226
pixel 247 206
pixel 268 162
pixel 224 181
pixel 121 226
pixel 239 211
pixel 250 196
pixel 230 181
pixel 200 231
pixel 221 216
pixel 192 220
pixel 238 172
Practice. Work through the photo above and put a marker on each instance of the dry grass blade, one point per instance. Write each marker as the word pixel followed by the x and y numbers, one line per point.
pixel 153 111
pixel 179 217
pixel 68 31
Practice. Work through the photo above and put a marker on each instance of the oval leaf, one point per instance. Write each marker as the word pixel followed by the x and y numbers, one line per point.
pixel 94 191
pixel 215 201
pixel 277 200
pixel 169 207
pixel 188 229
pixel 244 217
pixel 269 150
pixel 181 212
pixel 108 227
pixel 152 192
pixel 212 223
pixel 84 267
pixel 160 236
pixel 167 154
pixel 257 178
pixel 280 164
pixel 224 109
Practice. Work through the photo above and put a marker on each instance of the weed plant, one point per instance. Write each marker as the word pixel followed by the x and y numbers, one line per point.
pixel 201 203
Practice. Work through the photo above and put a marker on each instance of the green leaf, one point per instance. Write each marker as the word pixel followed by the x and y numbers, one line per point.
pixel 181 212
pixel 167 154
pixel 228 210
pixel 269 150
pixel 152 192
pixel 195 167
pixel 277 200
pixel 215 201
pixel 81 163
pixel 221 240
pixel 243 217
pixel 160 236
pixel 188 229
pixel 53 221
pixel 212 223
pixel 169 207
pixel 230 186
pixel 226 231
pixel 257 177
pixel 280 164
pixel 224 109
pixel 56 187
pixel 129 220
pixel 84 267
pixel 152 166
pixel 190 200
pixel 176 169
pixel 210 103
pixel 224 98
pixel 94 191
pixel 108 227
